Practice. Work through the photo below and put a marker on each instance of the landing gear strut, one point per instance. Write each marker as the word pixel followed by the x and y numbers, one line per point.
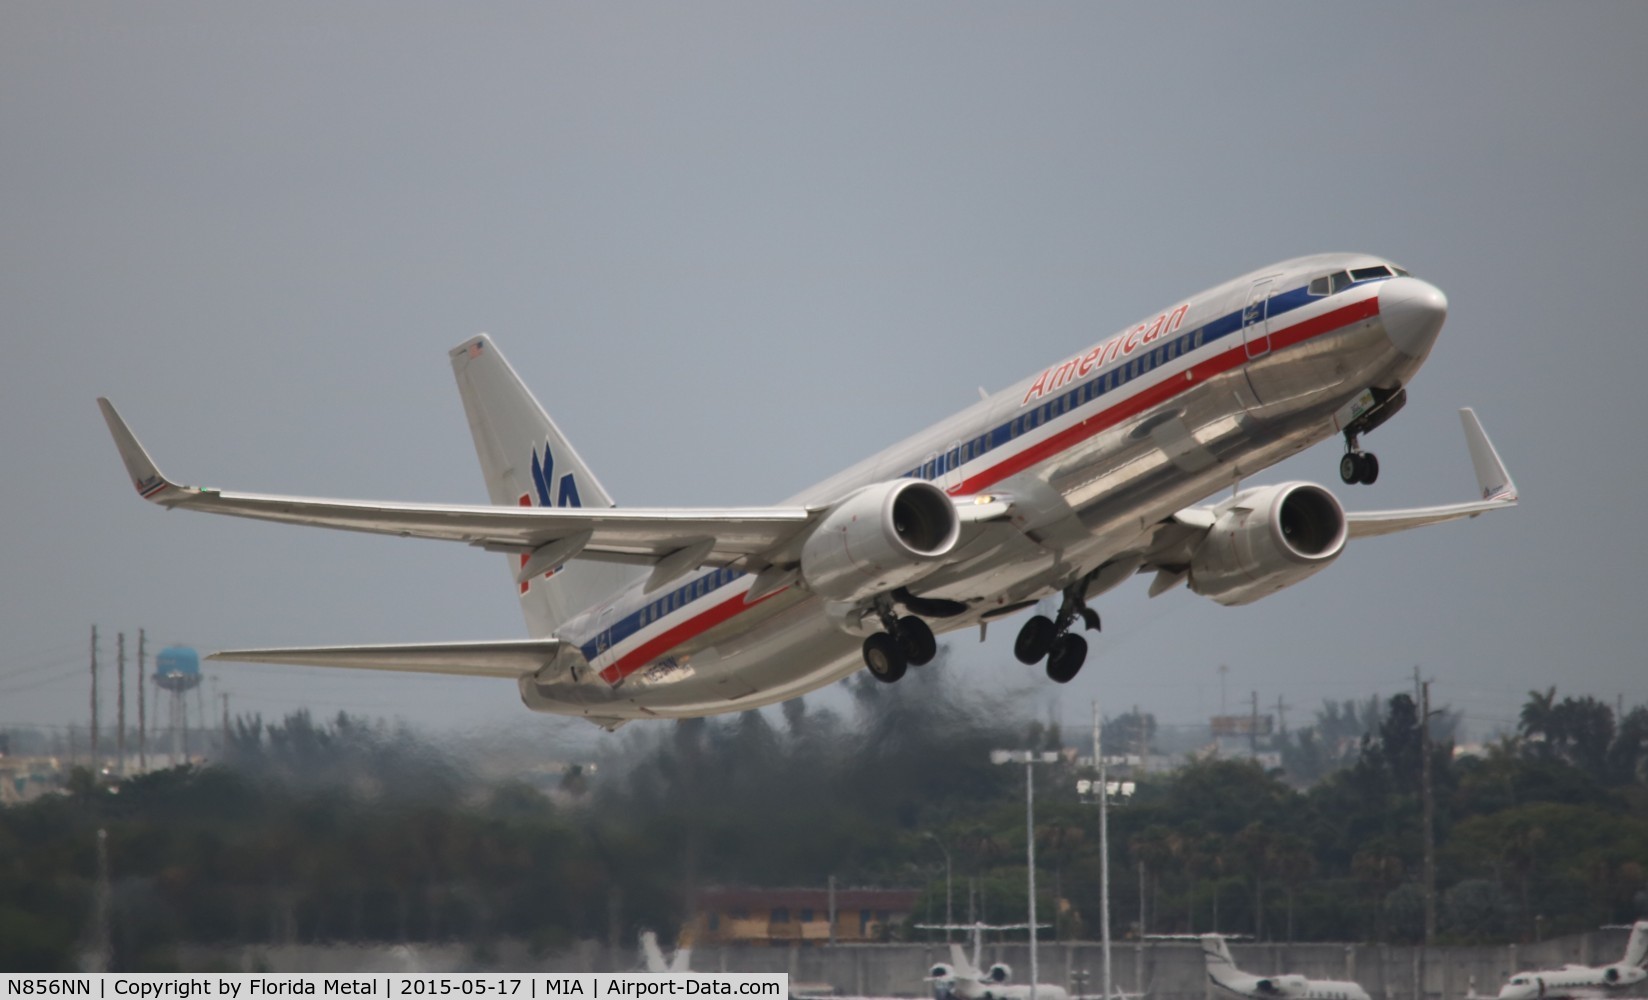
pixel 1360 466
pixel 1050 638
pixel 907 642
pixel 1357 466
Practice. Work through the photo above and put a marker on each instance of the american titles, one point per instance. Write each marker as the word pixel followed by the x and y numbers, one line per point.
pixel 1119 346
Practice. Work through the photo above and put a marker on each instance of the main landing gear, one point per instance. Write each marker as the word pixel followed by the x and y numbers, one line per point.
pixel 1051 638
pixel 907 642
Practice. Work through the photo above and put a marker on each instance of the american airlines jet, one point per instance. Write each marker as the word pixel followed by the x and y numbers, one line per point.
pixel 1067 483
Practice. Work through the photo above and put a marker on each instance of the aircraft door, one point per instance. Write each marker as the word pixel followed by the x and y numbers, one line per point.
pixel 1256 318
pixel 952 467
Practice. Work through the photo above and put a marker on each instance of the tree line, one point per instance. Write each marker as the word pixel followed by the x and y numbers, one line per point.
pixel 348 830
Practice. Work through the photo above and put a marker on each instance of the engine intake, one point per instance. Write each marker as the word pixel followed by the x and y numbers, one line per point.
pixel 879 539
pixel 1266 539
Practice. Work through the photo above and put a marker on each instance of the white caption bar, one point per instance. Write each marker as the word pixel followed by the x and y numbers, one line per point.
pixel 398 986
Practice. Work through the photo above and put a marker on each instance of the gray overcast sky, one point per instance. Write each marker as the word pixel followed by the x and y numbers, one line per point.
pixel 734 247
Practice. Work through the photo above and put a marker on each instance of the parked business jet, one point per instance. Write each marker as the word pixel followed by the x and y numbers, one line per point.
pixel 1222 971
pixel 1066 483
pixel 1585 981
pixel 962 978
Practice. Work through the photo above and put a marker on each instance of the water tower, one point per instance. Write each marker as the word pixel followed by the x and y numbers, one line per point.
pixel 177 670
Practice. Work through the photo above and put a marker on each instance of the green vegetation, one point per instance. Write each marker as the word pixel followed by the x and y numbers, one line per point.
pixel 351 831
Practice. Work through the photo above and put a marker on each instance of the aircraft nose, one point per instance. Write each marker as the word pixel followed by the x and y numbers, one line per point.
pixel 1413 311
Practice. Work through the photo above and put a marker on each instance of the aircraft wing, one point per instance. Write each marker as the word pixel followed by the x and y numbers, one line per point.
pixel 1175 539
pixel 508 658
pixel 630 534
pixel 1492 479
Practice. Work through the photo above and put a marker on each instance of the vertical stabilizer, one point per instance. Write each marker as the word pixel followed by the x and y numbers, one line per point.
pixel 528 462
pixel 1636 949
pixel 1217 954
pixel 651 955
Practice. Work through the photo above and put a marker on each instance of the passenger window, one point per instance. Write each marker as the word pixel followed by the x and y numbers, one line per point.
pixel 1320 286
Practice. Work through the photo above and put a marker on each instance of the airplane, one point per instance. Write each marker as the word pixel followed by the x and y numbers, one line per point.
pixel 963 979
pixel 1585 981
pixel 1065 484
pixel 1222 972
pixel 653 956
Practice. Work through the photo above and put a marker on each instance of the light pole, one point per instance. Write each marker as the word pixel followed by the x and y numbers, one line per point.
pixel 948 917
pixel 1029 758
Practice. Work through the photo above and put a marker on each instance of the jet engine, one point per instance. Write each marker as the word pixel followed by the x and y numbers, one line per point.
pixel 1265 539
pixel 1280 986
pixel 1001 972
pixel 879 539
pixel 941 972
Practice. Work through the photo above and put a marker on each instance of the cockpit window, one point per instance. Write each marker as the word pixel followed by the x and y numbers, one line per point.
pixel 1338 281
pixel 1402 272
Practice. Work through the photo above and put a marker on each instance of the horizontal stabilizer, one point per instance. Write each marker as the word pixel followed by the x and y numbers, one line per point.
pixel 510 658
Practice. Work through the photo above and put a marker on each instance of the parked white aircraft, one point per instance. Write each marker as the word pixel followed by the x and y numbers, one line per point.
pixel 962 979
pixel 1221 969
pixel 1068 482
pixel 1586 981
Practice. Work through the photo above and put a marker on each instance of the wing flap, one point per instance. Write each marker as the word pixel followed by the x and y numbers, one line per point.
pixel 508 658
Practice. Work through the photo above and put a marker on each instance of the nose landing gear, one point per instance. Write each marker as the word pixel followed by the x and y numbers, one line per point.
pixel 1050 638
pixel 1358 466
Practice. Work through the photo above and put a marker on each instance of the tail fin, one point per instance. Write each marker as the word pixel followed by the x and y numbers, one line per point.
pixel 651 955
pixel 1636 949
pixel 528 462
pixel 1217 954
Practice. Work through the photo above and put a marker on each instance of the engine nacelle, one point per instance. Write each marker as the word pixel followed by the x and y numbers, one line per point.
pixel 879 539
pixel 1266 539
pixel 1001 972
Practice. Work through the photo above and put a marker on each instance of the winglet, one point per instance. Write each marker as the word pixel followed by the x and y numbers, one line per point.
pixel 1491 476
pixel 147 478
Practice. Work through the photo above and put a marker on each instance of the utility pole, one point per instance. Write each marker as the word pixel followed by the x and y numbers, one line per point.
pixel 1281 719
pixel 1104 842
pixel 142 685
pixel 94 701
pixel 1429 800
pixel 1029 758
pixel 120 708
pixel 225 697
pixel 1253 728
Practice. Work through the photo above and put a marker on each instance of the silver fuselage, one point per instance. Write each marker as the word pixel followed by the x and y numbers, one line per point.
pixel 1093 451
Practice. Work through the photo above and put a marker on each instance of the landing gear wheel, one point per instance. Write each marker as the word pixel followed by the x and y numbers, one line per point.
pixel 1350 469
pixel 1065 659
pixel 883 657
pixel 1369 471
pixel 1035 639
pixel 916 640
